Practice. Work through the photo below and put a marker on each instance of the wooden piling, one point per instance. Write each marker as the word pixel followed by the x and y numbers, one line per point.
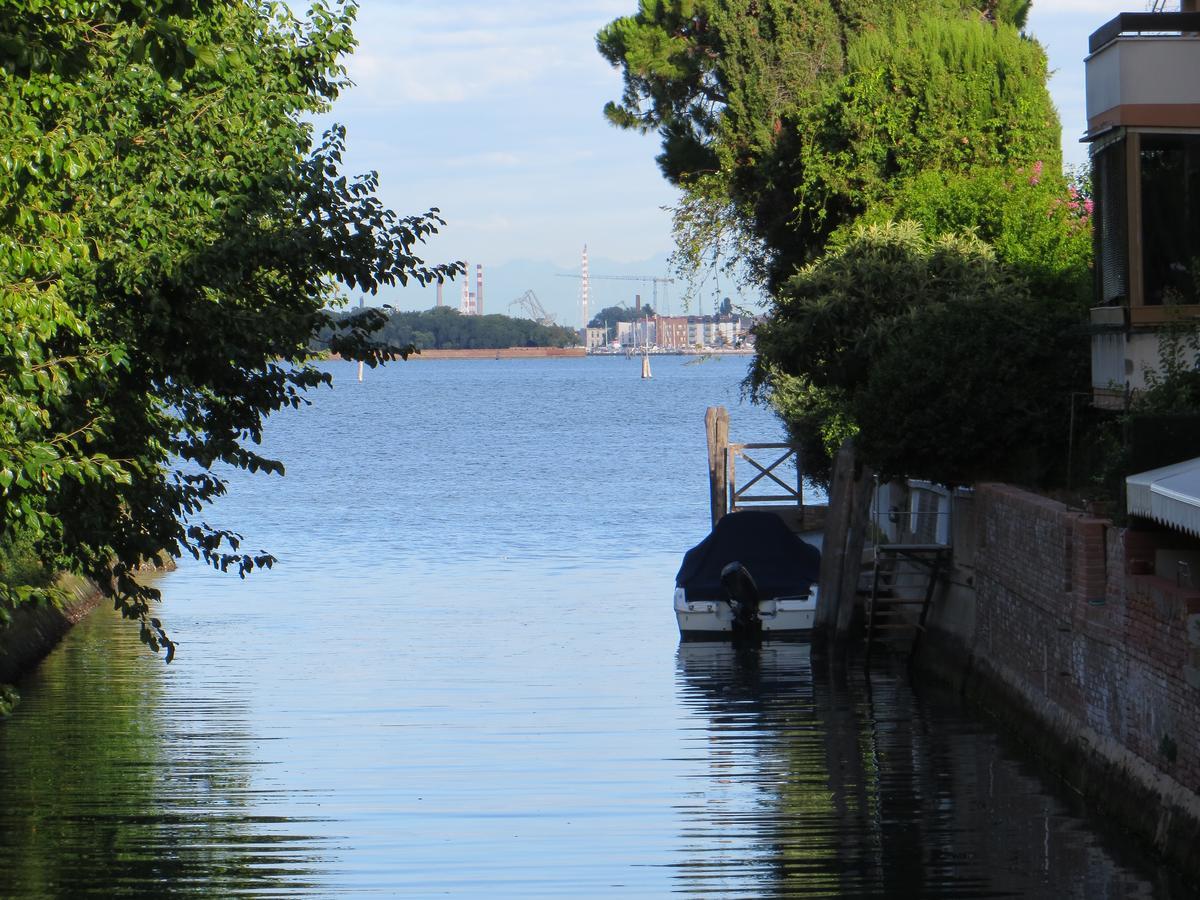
pixel 859 514
pixel 833 545
pixel 716 425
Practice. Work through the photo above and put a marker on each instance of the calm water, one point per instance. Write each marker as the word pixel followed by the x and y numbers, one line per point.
pixel 464 678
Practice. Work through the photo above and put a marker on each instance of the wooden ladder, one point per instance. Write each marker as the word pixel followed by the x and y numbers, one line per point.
pixel 903 580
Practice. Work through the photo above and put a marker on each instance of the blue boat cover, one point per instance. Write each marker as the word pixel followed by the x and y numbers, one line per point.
pixel 781 564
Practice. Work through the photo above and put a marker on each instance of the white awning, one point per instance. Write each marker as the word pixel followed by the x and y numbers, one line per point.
pixel 1170 495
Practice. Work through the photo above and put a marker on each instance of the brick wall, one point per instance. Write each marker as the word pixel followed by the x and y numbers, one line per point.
pixel 1068 617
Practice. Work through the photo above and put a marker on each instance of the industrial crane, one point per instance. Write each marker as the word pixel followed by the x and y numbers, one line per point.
pixel 529 302
pixel 653 279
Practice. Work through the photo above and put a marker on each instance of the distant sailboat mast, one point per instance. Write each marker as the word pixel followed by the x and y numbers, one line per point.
pixel 583 288
pixel 645 347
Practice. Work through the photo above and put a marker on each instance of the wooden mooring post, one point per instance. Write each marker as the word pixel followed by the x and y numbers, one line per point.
pixel 841 553
pixel 833 545
pixel 716 425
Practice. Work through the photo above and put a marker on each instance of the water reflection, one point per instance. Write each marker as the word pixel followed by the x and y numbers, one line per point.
pixel 812 781
pixel 464 679
pixel 116 784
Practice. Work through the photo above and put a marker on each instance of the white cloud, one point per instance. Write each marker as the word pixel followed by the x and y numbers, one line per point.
pixel 468 51
pixel 447 76
pixel 491 111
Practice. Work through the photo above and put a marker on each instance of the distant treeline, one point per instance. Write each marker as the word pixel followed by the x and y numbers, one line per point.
pixel 445 328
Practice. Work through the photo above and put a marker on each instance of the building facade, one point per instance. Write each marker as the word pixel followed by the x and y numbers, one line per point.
pixel 1143 108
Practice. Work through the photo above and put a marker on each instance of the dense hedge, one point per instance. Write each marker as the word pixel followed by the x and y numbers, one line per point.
pixel 933 353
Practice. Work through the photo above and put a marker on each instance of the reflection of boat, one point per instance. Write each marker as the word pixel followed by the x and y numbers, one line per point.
pixel 751 578
pixel 725 675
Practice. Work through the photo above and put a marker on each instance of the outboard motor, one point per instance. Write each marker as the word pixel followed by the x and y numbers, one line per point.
pixel 741 593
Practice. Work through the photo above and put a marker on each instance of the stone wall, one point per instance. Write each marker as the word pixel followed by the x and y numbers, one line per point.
pixel 33 630
pixel 1057 622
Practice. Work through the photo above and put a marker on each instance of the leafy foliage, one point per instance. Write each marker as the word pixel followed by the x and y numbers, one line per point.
pixel 9 698
pixel 1173 387
pixel 1034 219
pixel 933 353
pixel 171 241
pixel 611 315
pixel 784 120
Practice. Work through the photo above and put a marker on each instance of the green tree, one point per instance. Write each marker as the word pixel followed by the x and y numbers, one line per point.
pixel 171 241
pixel 1034 219
pixel 934 355
pixel 783 120
pixel 444 328
pixel 611 315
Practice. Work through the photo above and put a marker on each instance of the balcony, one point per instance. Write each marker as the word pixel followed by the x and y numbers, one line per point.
pixel 1144 71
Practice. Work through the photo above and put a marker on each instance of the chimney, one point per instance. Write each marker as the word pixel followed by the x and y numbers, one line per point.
pixel 440 285
pixel 637 302
pixel 479 289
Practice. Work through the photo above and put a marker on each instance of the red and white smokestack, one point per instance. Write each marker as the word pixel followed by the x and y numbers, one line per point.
pixel 479 289
pixel 440 285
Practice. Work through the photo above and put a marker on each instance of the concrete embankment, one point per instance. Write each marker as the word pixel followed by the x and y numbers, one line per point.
pixel 1053 625
pixel 35 629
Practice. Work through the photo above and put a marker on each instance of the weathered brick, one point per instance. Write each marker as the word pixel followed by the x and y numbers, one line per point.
pixel 1063 593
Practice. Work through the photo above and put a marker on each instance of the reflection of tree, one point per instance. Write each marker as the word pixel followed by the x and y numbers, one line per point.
pixel 108 784
pixel 765 774
pixel 826 777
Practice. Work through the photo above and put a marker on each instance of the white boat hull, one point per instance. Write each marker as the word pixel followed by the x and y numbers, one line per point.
pixel 783 618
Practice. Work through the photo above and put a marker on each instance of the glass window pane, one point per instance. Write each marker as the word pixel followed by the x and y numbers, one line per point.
pixel 1171 218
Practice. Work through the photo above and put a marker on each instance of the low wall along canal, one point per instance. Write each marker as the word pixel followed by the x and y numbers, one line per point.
pixel 1057 626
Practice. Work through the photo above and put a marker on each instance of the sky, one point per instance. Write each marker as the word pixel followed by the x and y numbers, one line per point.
pixel 492 113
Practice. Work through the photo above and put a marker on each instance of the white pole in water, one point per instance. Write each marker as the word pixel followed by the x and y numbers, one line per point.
pixel 583 288
pixel 360 362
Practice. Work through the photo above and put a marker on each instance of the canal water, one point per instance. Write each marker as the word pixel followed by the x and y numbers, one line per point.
pixel 463 678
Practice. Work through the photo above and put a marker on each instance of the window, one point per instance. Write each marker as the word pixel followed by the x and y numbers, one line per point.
pixel 1111 224
pixel 1170 182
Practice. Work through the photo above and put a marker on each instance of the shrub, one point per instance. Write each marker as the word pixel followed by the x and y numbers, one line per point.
pixel 937 356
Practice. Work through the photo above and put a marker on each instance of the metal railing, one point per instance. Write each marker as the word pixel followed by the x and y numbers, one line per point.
pixel 911 513
pixel 1143 23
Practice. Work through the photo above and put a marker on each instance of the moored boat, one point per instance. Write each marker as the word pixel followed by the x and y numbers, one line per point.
pixel 752 578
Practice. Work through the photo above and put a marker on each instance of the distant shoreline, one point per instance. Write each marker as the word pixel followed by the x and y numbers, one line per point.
pixel 556 353
pixel 501 353
pixel 505 353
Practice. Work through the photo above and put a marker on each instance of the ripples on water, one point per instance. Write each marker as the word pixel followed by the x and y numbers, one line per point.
pixel 464 678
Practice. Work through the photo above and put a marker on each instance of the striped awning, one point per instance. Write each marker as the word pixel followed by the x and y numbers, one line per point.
pixel 1170 495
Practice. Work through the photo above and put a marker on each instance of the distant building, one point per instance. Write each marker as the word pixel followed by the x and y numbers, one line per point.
pixel 636 334
pixel 716 331
pixel 675 333
pixel 671 332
